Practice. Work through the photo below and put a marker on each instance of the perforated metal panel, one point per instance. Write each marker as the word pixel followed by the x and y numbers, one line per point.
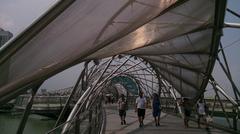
pixel 176 37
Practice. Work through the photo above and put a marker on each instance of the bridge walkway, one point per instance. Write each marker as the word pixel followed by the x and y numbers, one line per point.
pixel 169 124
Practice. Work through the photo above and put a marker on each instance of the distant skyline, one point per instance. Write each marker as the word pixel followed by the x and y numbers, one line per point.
pixel 4 36
pixel 17 15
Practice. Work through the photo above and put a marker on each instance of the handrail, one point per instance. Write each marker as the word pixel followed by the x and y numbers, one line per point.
pixel 96 115
pixel 85 115
pixel 104 119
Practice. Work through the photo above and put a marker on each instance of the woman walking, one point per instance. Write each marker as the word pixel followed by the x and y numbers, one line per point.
pixel 122 109
pixel 156 109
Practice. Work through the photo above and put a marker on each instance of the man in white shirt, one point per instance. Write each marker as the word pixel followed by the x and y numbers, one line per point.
pixel 140 108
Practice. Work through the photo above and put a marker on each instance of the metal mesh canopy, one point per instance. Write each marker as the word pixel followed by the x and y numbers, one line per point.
pixel 130 72
pixel 179 39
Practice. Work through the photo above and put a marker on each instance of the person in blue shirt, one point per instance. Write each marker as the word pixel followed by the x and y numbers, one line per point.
pixel 156 106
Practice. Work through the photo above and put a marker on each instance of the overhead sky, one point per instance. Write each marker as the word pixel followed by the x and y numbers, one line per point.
pixel 231 44
pixel 17 15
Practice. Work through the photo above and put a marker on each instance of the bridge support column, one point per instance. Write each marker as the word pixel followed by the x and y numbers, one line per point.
pixel 219 99
pixel 27 111
pixel 235 120
pixel 172 93
pixel 90 122
pixel 60 117
pixel 77 125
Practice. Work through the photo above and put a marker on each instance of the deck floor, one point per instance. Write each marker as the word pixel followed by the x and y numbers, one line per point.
pixel 169 124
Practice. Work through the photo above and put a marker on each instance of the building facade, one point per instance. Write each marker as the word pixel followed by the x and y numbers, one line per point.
pixel 4 36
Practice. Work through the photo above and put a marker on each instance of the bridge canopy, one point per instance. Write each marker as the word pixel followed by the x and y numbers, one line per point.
pixel 179 38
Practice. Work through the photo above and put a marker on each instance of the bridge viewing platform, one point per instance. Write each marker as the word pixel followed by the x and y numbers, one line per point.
pixel 172 52
pixel 170 121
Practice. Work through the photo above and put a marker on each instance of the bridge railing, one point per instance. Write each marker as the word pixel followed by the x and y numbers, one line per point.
pixel 41 101
pixel 224 114
pixel 169 103
pixel 88 122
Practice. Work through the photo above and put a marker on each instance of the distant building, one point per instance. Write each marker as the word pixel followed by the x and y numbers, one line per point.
pixel 4 36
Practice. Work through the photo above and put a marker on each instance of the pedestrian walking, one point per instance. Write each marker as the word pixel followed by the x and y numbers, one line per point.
pixel 202 111
pixel 187 111
pixel 140 108
pixel 156 106
pixel 122 109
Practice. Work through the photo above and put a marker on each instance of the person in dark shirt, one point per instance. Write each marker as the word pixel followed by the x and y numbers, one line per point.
pixel 122 109
pixel 187 111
